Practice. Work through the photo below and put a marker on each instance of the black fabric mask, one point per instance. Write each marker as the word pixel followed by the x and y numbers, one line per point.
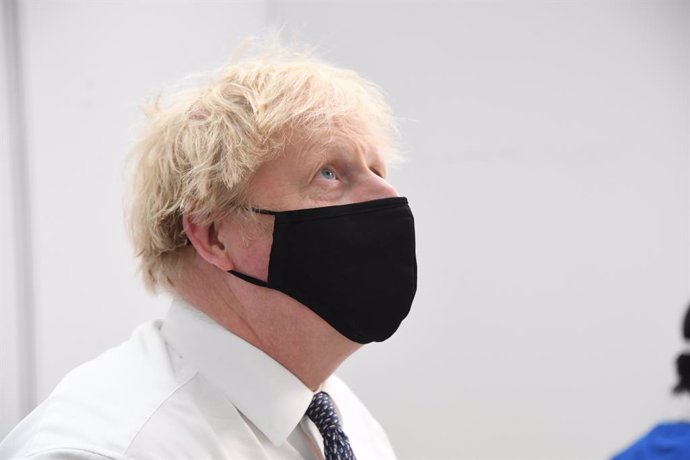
pixel 354 265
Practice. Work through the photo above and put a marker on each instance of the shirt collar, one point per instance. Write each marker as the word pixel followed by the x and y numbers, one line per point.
pixel 269 395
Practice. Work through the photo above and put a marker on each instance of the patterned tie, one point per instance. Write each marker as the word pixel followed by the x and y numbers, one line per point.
pixel 335 443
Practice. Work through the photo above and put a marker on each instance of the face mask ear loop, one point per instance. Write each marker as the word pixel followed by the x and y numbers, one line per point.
pixel 249 279
pixel 264 211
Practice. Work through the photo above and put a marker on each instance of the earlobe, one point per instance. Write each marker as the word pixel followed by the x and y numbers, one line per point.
pixel 207 244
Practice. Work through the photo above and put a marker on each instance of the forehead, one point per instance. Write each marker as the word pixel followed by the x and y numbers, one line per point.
pixel 304 149
pixel 342 146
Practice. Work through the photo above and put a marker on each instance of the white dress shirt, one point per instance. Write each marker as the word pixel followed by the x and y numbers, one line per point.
pixel 186 388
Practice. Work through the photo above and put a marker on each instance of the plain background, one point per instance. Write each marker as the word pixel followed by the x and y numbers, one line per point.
pixel 547 166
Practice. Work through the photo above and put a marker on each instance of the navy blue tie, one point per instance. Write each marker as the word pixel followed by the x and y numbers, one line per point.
pixel 336 446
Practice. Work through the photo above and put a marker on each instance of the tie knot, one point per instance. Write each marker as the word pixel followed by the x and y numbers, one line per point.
pixel 322 413
pixel 336 445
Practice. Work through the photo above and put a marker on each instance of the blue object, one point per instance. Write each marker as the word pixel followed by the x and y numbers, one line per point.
pixel 666 441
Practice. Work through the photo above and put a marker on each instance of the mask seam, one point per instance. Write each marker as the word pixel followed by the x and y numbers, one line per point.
pixel 296 218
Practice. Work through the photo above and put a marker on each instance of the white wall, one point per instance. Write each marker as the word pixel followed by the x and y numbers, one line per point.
pixel 548 168
pixel 11 396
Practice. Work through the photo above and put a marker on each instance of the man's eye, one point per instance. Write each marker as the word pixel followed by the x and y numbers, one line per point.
pixel 327 173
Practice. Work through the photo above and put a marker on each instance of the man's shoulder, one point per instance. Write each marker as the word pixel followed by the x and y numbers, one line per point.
pixel 665 440
pixel 99 407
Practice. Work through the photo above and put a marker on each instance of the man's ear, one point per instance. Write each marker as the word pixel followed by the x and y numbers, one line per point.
pixel 208 244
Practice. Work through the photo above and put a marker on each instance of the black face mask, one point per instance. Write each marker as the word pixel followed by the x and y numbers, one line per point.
pixel 354 265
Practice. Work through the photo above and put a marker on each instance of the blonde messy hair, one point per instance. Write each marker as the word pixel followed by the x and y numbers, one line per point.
pixel 201 145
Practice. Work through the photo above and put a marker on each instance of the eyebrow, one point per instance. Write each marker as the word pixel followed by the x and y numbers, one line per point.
pixel 343 149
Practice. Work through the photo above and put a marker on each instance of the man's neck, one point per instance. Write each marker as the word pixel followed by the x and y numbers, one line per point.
pixel 281 327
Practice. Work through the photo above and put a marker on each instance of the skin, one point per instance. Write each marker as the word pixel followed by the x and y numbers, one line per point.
pixel 332 171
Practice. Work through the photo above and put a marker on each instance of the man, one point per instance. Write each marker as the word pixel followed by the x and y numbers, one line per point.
pixel 260 202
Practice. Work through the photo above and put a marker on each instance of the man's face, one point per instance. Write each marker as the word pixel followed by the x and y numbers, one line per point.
pixel 335 171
